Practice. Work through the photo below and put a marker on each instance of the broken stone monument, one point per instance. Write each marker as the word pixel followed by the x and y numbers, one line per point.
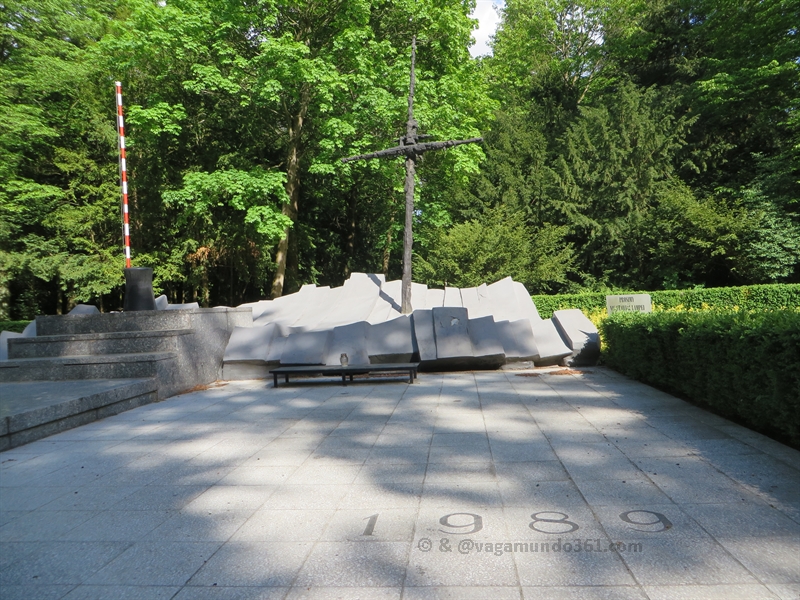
pixel 451 328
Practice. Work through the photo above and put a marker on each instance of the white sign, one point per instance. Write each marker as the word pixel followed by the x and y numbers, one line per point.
pixel 629 303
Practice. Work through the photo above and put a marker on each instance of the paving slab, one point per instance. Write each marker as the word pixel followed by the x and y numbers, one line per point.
pixel 523 484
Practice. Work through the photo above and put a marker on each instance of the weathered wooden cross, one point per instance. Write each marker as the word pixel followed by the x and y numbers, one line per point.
pixel 412 149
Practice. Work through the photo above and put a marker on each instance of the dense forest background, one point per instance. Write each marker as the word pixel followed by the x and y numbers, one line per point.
pixel 628 144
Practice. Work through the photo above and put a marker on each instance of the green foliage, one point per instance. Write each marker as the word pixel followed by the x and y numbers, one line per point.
pixel 497 246
pixel 746 298
pixel 15 326
pixel 628 144
pixel 743 365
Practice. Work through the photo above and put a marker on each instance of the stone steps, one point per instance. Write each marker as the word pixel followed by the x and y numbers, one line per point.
pixel 160 366
pixel 148 320
pixel 32 410
pixel 125 342
pixel 71 355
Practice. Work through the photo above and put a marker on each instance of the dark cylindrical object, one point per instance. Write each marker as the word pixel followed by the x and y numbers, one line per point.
pixel 139 289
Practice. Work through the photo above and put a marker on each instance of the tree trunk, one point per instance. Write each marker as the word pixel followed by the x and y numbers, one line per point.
pixel 290 209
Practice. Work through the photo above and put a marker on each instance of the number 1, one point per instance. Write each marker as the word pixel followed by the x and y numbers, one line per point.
pixel 371 524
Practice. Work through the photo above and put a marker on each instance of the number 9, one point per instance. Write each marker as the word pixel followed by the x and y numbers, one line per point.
pixel 476 523
pixel 665 522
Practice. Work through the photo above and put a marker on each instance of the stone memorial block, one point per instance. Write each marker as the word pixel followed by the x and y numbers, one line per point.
pixel 629 303
pixel 434 298
pixel 452 297
pixel 451 333
pixel 249 344
pixel 350 340
pixel 517 339
pixel 381 312
pixel 307 348
pixel 549 342
pixel 525 305
pixel 287 308
pixel 84 309
pixel 276 347
pixel 257 307
pixel 4 337
pixel 580 336
pixel 470 301
pixel 162 302
pixel 419 296
pixel 503 298
pixel 388 303
pixel 315 307
pixel 355 301
pixel 484 306
pixel 423 333
pixel 391 341
pixel 186 306
pixel 486 347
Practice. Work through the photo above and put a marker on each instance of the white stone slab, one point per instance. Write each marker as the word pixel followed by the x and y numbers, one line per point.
pixel 388 304
pixel 84 309
pixel 419 296
pixel 162 302
pixel 580 335
pixel 4 337
pixel 391 341
pixel 470 301
pixel 350 340
pixel 185 306
pixel 257 307
pixel 517 339
pixel 486 347
pixel 549 343
pixel 451 333
pixel 315 307
pixel 354 302
pixel 423 333
pixel 276 348
pixel 287 308
pixel 249 344
pixel 525 305
pixel 30 329
pixel 380 313
pixel 307 348
pixel 484 307
pixel 503 298
pixel 434 298
pixel 452 297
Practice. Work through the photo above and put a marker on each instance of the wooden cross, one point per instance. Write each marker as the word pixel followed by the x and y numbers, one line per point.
pixel 410 147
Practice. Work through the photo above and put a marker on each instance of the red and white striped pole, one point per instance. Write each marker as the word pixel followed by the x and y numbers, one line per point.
pixel 123 175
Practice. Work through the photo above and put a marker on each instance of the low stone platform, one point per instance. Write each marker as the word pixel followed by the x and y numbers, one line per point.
pixel 31 410
pixel 464 485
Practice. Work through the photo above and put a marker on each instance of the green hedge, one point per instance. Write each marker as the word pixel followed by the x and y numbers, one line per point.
pixel 16 326
pixel 743 366
pixel 752 297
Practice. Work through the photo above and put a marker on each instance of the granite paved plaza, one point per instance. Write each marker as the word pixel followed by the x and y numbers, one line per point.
pixel 464 485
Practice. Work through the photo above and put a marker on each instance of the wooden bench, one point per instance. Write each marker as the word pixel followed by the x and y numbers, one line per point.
pixel 345 372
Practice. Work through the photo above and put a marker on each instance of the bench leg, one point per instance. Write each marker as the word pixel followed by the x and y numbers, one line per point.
pixel 344 378
pixel 286 378
pixel 275 379
pixel 351 378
